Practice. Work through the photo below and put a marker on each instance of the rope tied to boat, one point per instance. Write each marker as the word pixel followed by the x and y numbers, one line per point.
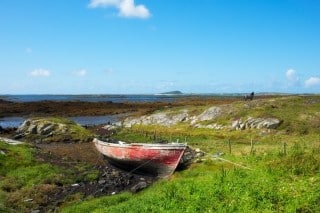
pixel 141 165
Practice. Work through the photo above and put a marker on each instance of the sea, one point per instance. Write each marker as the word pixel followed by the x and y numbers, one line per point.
pixel 14 122
pixel 92 98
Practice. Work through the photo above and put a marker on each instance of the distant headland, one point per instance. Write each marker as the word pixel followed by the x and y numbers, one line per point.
pixel 176 92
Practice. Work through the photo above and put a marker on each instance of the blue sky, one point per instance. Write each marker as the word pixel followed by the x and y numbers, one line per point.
pixel 152 46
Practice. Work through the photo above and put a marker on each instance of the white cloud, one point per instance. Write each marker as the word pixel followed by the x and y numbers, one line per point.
pixel 40 73
pixel 312 81
pixel 292 78
pixel 291 75
pixel 80 73
pixel 127 8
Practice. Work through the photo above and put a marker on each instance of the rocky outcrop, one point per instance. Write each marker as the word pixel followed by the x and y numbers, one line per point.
pixel 46 130
pixel 211 115
pixel 161 118
pixel 41 127
pixel 256 123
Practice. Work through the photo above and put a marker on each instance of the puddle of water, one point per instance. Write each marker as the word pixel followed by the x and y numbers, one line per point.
pixel 15 122
pixel 95 120
pixel 11 122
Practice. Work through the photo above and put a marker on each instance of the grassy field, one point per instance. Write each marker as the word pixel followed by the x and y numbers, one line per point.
pixel 261 171
pixel 274 183
pixel 279 169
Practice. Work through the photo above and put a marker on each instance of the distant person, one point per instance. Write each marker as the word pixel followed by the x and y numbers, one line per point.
pixel 249 97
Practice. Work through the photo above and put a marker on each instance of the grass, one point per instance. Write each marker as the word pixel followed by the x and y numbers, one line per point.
pixel 214 186
pixel 285 163
pixel 23 178
pixel 19 174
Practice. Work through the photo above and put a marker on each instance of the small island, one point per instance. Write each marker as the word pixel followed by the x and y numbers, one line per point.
pixel 176 92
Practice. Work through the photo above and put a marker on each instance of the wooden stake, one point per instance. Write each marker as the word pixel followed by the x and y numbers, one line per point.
pixel 229 144
pixel 251 150
pixel 284 148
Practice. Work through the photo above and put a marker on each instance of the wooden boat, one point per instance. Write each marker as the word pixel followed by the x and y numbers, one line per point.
pixel 157 159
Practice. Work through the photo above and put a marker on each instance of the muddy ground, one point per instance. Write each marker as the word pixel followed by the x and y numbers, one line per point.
pixel 79 160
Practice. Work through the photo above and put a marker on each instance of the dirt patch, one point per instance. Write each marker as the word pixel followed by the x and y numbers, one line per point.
pixel 74 152
pixel 108 179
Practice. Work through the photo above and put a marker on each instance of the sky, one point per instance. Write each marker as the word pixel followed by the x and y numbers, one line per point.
pixel 153 46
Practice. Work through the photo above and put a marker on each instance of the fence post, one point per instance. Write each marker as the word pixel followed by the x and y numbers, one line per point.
pixel 229 144
pixel 251 150
pixel 154 135
pixel 284 148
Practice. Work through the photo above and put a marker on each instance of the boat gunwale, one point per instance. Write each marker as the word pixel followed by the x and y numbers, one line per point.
pixel 179 146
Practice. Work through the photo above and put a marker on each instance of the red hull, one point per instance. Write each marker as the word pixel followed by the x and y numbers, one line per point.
pixel 157 159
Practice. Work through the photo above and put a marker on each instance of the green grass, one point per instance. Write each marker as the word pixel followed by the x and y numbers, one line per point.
pixel 285 163
pixel 215 186
pixel 22 177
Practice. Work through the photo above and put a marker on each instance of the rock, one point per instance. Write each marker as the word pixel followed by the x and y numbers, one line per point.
pixel 102 182
pixel 209 114
pixel 210 126
pixel 18 136
pixel 235 124
pixel 256 123
pixel 169 119
pixel 190 155
pixel 161 118
pixel 110 127
pixel 139 186
pixel 272 123
pixel 10 141
pixel 32 129
pixel 218 154
pixel 2 152
pixel 46 130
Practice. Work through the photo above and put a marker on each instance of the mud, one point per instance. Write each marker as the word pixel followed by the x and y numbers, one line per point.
pixel 110 180
pixel 79 160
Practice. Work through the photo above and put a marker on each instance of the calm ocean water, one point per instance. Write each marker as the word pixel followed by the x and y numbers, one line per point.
pixel 92 98
pixel 104 98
